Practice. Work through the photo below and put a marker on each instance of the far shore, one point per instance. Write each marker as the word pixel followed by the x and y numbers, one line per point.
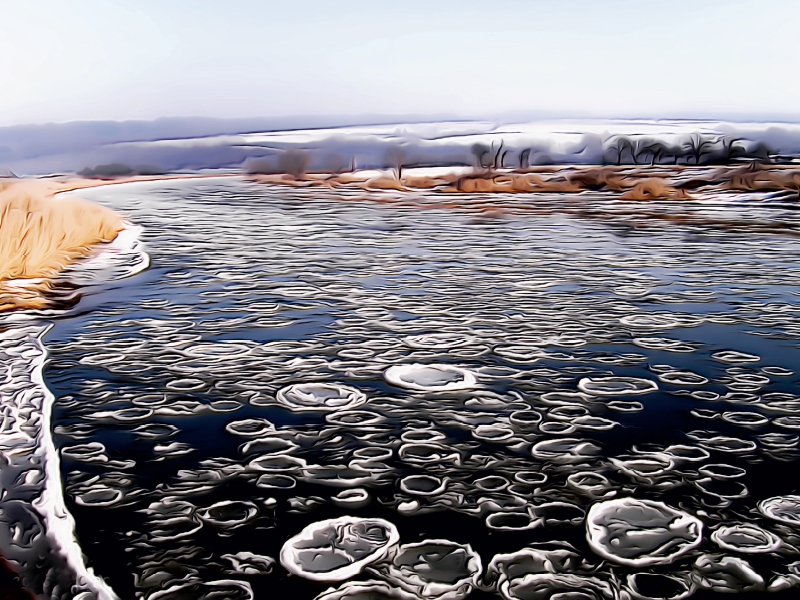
pixel 40 237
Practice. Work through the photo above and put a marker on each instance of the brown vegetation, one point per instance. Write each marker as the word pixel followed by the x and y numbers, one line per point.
pixel 40 235
pixel 655 182
pixel 654 189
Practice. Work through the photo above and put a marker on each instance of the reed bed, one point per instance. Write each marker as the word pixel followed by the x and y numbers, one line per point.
pixel 40 235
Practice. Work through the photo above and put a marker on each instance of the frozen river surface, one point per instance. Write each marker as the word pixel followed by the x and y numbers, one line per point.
pixel 370 396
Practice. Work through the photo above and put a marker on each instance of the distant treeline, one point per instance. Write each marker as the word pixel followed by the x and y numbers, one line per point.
pixel 619 150
pixel 695 149
pixel 169 146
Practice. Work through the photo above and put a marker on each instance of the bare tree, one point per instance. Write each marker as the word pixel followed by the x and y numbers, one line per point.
pixel 479 151
pixel 618 148
pixel 395 157
pixel 524 159
pixel 499 156
pixel 697 145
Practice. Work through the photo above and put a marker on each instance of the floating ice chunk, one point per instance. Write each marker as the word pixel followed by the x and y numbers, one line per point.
pixel 319 397
pixel 721 471
pixel 338 475
pixel 422 436
pixel 279 482
pixel 434 569
pixel 724 443
pixel 519 353
pixel 557 427
pixel 645 466
pixel 594 423
pixel 248 563
pixel 564 450
pixel 354 418
pixel 373 453
pixel 616 386
pixel 779 440
pixel 278 463
pixel 728 574
pixel 625 407
pixel 785 509
pixel 424 454
pixel 682 452
pixel 631 291
pixel 536 284
pixel 530 477
pixel 777 371
pixel 682 378
pixel 590 483
pixel 250 427
pixel 124 415
pixel 640 533
pixel 188 384
pixel 355 498
pixel 666 344
pixel 555 514
pixel 430 378
pixel 650 321
pixel 268 446
pixel 229 514
pixel 746 419
pixel 511 521
pixel 746 538
pixel 788 422
pixel 437 341
pixel 552 570
pixel 491 483
pixel 99 495
pixel 219 350
pixel 337 549
pixel 721 488
pixel 734 357
pixel 525 419
pixel 492 433
pixel 93 452
pixel 423 485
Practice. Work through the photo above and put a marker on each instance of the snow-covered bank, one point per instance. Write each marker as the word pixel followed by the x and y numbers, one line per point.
pixel 37 532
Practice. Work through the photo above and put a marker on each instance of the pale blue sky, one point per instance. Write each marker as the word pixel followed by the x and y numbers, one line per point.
pixel 106 59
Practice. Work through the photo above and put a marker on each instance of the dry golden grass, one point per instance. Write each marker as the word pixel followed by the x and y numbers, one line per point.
pixel 40 235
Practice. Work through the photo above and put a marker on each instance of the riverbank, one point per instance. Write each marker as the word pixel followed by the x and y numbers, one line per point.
pixel 639 183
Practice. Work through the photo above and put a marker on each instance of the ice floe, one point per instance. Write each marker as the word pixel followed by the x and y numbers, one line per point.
pixel 641 533
pixel 337 549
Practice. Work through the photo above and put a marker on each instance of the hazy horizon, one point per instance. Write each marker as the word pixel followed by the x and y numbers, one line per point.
pixel 125 60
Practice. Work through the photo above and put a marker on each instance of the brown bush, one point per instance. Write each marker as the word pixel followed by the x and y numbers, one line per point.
pixel 384 183
pixel 424 183
pixel 654 189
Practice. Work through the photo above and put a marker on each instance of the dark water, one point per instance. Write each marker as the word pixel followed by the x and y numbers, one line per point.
pixel 662 353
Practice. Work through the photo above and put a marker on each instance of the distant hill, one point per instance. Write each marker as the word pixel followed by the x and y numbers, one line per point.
pixel 109 148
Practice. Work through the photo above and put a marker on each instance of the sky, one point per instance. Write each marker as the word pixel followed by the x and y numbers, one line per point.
pixel 70 60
